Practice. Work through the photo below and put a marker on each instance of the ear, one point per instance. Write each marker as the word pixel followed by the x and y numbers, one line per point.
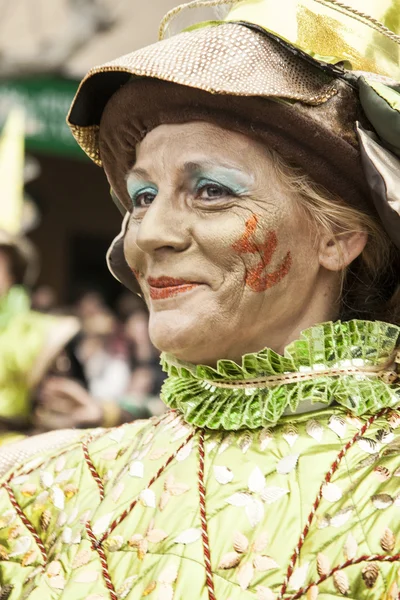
pixel 337 252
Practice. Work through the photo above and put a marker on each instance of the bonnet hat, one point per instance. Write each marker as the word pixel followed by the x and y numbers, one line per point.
pixel 316 80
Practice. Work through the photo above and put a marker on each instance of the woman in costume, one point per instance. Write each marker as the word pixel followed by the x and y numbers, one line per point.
pixel 30 342
pixel 257 163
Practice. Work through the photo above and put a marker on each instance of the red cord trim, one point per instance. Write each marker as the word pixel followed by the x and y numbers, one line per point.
pixel 26 521
pixel 92 469
pixel 126 512
pixel 318 499
pixel 203 518
pixel 348 563
pixel 103 560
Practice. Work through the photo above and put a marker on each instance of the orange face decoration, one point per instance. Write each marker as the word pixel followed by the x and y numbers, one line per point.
pixel 258 279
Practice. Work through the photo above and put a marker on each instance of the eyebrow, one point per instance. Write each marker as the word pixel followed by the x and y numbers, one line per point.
pixel 188 167
pixel 138 172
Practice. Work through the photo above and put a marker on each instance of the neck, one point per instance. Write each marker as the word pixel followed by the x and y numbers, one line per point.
pixel 321 305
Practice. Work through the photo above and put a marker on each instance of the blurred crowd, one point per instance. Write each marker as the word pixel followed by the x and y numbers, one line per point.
pixel 83 365
pixel 110 369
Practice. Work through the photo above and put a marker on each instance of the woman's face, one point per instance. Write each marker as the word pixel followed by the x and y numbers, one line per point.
pixel 226 260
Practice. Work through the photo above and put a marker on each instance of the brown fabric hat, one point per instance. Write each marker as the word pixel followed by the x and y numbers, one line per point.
pixel 320 139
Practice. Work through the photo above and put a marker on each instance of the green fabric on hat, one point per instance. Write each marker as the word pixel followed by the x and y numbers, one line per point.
pixel 381 104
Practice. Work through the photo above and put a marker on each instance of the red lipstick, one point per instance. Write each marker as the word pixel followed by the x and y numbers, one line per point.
pixel 167 287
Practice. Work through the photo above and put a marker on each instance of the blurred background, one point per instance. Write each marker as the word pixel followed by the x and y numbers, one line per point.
pixel 46 47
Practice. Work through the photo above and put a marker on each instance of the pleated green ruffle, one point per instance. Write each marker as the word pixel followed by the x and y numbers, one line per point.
pixel 191 389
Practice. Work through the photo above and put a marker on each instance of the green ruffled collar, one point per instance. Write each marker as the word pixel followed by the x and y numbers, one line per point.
pixel 347 363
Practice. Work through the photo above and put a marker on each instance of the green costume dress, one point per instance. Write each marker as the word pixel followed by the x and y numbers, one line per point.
pixel 29 342
pixel 279 478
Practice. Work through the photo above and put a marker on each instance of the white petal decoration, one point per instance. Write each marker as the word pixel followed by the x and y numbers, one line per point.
pixel 20 480
pixel 60 464
pixel 239 499
pixel 124 589
pixel 261 542
pixel 7 518
pixel 341 517
pixel 46 479
pixel 177 489
pixel 86 577
pixel 338 425
pixel 65 475
pixel 21 546
pixel 77 538
pixel 256 481
pixel 290 435
pixel 298 577
pixel 57 582
pixel 244 442
pixel 156 535
pixel 211 445
pixel 254 511
pixel 54 568
pixel 62 519
pixel 182 432
pixel 264 593
pixel 136 469
pixel 228 440
pixel 110 454
pixel 58 498
pixel 265 563
pixel 67 535
pixel 188 537
pixel 158 453
pixel 144 452
pixel 223 475
pixel 323 564
pixel 82 558
pixel 245 575
pixel 287 464
pixel 42 498
pixel 385 436
pixel 85 516
pixel 368 445
pixel 185 452
pixel 117 491
pixel 315 430
pixel 265 439
pixel 117 435
pixel 72 517
pixel 273 493
pixel 313 593
pixel 240 542
pixel 101 525
pixel 331 492
pixel 168 575
pixel 350 547
pixel 229 560
pixel 148 498
pixel 35 462
pixel 382 501
pixel 165 592
pixel 341 582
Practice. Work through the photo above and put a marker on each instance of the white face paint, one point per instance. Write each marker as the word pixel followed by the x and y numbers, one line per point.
pixel 226 260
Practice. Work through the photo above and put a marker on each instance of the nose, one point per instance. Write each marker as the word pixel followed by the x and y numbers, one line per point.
pixel 163 227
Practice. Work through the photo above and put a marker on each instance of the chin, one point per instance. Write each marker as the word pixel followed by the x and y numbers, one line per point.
pixel 186 336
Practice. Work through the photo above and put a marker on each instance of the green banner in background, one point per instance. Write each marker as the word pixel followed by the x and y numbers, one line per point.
pixel 46 101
